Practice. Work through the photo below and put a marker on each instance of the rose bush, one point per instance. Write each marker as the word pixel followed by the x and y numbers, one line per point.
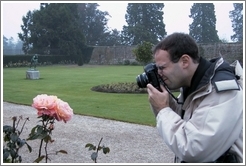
pixel 49 109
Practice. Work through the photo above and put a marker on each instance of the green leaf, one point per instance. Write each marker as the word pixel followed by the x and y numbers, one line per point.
pixel 106 150
pixel 33 136
pixel 92 148
pixel 13 153
pixel 94 156
pixel 39 159
pixel 33 129
pixel 20 142
pixel 88 145
pixel 6 138
pixel 99 147
pixel 7 128
pixel 5 155
pixel 47 138
pixel 61 151
pixel 40 129
pixel 14 137
pixel 29 147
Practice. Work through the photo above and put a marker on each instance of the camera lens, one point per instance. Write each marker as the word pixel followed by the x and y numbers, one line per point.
pixel 142 80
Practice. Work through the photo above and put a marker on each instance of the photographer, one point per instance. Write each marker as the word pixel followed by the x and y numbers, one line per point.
pixel 206 123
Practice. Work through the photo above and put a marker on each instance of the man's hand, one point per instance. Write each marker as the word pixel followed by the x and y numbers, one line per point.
pixel 157 99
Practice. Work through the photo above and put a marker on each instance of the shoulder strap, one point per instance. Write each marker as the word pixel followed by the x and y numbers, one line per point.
pixel 228 78
pixel 238 72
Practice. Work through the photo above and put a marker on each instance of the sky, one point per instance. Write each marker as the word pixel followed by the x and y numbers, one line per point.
pixel 176 15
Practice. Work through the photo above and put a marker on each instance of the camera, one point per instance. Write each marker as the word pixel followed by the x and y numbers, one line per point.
pixel 150 75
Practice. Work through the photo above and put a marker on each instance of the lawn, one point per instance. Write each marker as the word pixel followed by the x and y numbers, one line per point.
pixel 73 83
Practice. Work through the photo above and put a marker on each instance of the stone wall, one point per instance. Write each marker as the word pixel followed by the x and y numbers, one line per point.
pixel 229 51
pixel 105 55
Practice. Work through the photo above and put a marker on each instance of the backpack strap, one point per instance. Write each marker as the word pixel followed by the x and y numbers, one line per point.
pixel 238 72
pixel 224 80
pixel 228 78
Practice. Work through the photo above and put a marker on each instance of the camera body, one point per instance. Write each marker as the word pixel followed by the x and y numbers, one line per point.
pixel 150 75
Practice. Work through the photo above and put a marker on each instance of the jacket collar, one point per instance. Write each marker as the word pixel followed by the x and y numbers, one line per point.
pixel 202 79
pixel 198 78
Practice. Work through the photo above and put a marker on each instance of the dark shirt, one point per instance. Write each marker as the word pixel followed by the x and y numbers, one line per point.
pixel 197 77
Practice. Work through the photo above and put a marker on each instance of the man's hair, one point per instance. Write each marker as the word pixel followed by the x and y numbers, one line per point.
pixel 178 44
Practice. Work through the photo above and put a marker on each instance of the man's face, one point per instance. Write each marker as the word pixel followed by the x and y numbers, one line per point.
pixel 170 72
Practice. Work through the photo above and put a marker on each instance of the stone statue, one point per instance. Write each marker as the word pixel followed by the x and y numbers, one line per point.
pixel 34 61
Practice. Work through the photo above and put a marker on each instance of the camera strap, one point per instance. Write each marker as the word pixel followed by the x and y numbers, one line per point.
pixel 168 90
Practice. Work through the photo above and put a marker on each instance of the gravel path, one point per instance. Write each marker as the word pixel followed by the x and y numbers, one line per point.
pixel 128 143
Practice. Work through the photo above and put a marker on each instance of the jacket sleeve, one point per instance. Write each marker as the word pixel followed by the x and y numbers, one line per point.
pixel 215 124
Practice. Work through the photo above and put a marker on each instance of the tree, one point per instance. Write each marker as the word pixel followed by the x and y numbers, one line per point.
pixel 236 16
pixel 203 27
pixel 54 29
pixel 145 23
pixel 19 44
pixel 93 23
pixel 5 42
pixel 111 38
pixel 26 35
pixel 9 47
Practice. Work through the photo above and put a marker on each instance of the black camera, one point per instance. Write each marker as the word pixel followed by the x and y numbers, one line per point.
pixel 150 75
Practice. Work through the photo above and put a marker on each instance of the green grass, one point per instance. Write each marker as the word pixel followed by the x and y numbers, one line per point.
pixel 73 84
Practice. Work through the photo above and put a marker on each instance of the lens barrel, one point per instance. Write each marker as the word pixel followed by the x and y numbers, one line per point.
pixel 142 80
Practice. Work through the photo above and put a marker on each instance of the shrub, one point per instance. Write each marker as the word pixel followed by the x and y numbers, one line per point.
pixel 143 52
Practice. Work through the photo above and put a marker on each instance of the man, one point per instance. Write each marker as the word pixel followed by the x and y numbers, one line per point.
pixel 206 124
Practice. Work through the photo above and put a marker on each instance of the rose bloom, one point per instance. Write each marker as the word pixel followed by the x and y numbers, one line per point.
pixel 45 104
pixel 63 111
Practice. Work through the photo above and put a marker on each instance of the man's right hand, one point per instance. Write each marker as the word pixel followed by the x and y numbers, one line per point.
pixel 157 99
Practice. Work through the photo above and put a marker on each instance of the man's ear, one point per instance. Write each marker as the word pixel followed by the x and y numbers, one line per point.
pixel 185 61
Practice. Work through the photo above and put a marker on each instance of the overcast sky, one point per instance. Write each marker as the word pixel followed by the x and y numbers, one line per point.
pixel 176 15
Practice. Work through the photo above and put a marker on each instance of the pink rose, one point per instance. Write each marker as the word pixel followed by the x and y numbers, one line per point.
pixel 63 111
pixel 45 104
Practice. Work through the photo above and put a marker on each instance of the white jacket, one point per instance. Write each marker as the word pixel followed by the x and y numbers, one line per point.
pixel 212 122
